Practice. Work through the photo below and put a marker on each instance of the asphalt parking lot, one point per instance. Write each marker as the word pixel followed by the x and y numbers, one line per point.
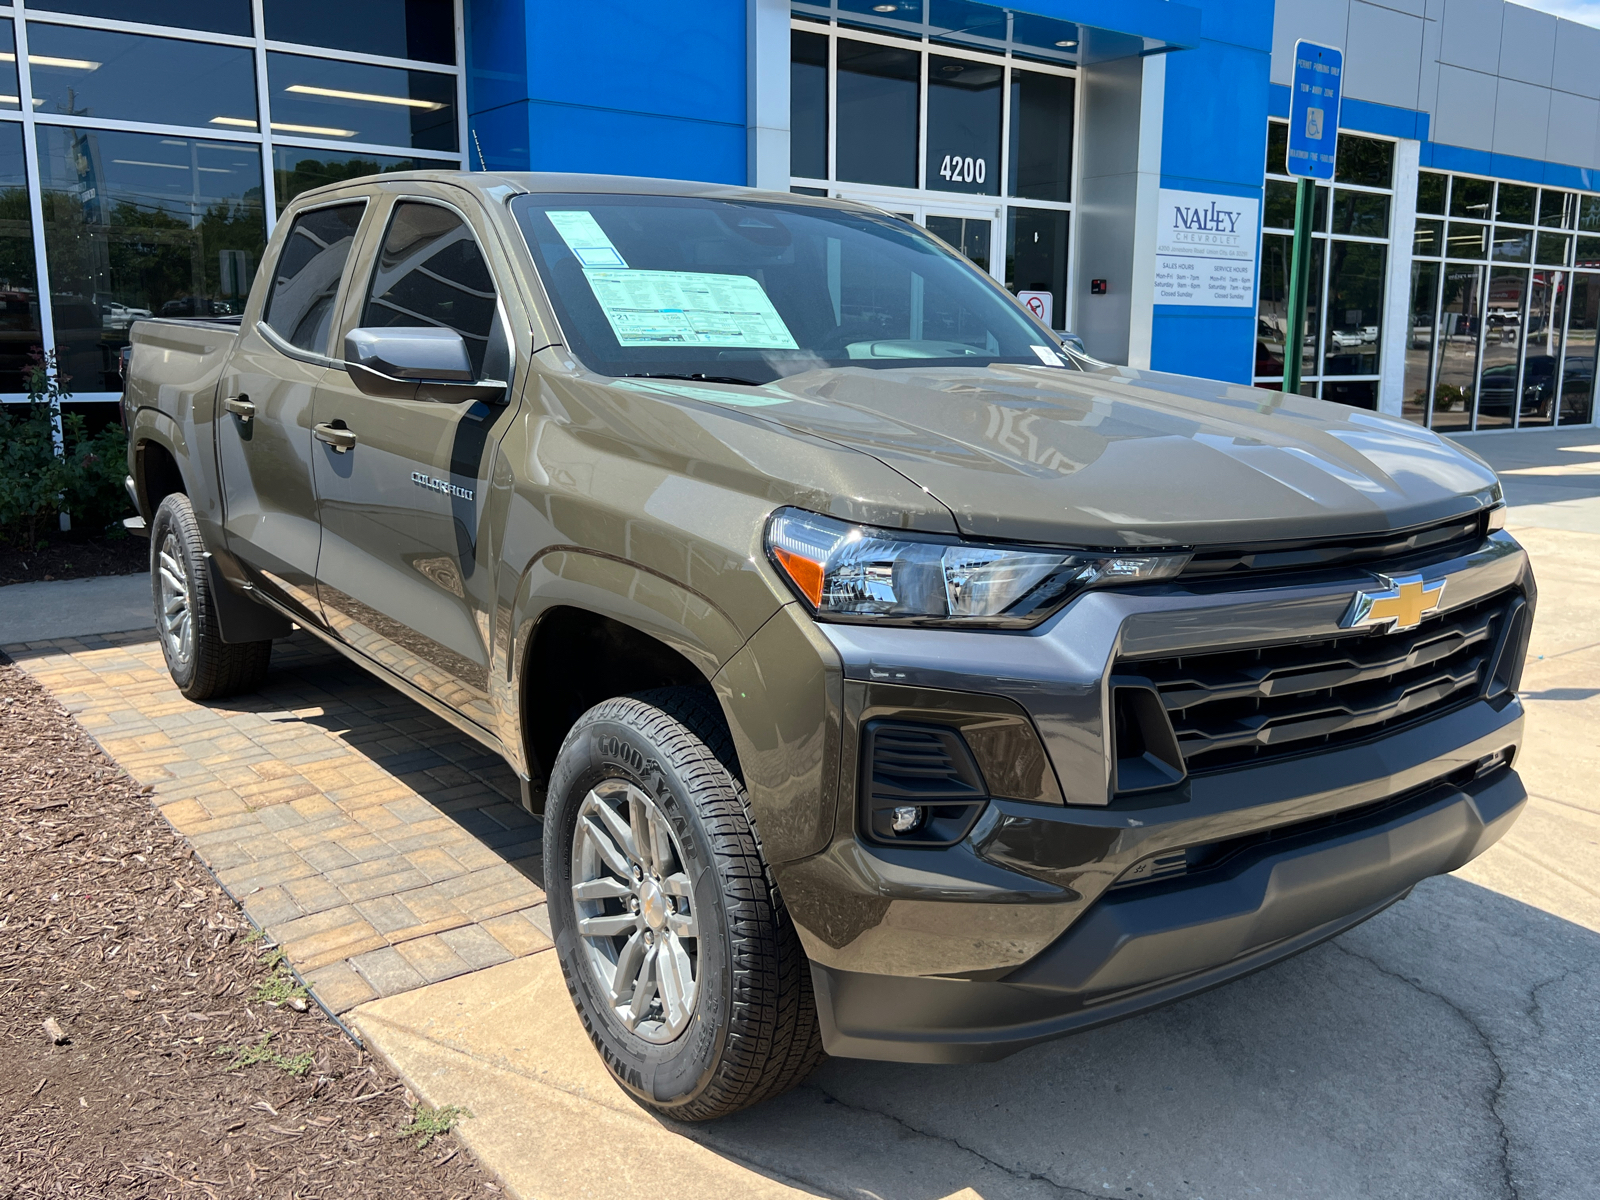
pixel 1448 1048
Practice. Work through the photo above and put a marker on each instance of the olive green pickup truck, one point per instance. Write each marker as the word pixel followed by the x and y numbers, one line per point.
pixel 893 680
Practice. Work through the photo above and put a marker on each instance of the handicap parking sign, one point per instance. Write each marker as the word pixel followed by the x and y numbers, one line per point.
pixel 1314 109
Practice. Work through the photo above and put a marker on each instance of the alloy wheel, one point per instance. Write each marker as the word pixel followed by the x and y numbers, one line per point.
pixel 177 602
pixel 633 901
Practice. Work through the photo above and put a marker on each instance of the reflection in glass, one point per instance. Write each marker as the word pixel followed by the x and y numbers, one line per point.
pixel 1355 308
pixel 131 77
pixel 1277 148
pixel 1588 252
pixel 1041 136
pixel 1364 161
pixel 1515 203
pixel 1419 340
pixel 1278 211
pixel 1470 197
pixel 295 170
pixel 1553 249
pixel 1428 239
pixel 1273 308
pixel 963 126
pixel 1467 241
pixel 213 16
pixel 1036 257
pixel 970 235
pixel 1456 347
pixel 1589 214
pixel 137 224
pixel 1357 393
pixel 305 283
pixel 1577 375
pixel 808 105
pixel 1557 210
pixel 1502 336
pixel 10 96
pixel 19 287
pixel 430 271
pixel 963 19
pixel 424 30
pixel 1513 245
pixel 1431 189
pixel 876 91
pixel 389 106
pixel 1541 353
pixel 1364 214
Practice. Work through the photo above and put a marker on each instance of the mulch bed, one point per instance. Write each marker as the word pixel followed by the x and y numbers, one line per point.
pixel 112 932
pixel 67 558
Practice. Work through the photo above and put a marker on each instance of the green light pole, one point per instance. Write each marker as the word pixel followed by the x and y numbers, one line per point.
pixel 1305 199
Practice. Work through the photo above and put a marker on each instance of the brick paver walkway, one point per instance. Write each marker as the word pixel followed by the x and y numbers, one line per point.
pixel 378 846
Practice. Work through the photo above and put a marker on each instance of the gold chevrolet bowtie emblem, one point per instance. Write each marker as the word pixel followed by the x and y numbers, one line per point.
pixel 1401 606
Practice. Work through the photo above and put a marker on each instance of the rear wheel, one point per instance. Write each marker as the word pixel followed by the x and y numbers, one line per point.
pixel 202 665
pixel 674 943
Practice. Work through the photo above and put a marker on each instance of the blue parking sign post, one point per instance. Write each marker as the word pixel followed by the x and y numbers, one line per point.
pixel 1313 148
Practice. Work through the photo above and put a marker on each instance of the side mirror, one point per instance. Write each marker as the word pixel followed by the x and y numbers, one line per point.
pixel 420 363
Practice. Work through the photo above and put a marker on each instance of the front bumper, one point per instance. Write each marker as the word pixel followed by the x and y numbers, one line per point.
pixel 1032 925
pixel 1148 946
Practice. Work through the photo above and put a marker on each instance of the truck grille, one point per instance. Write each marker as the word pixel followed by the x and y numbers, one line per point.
pixel 1248 705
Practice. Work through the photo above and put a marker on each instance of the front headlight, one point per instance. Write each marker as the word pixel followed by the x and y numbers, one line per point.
pixel 857 572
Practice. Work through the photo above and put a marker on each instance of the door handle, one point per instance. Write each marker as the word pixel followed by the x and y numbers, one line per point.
pixel 338 437
pixel 240 406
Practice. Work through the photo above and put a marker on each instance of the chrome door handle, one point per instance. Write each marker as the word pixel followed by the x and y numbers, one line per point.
pixel 240 406
pixel 339 438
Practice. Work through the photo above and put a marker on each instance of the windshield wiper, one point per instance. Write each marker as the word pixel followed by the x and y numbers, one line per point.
pixel 697 377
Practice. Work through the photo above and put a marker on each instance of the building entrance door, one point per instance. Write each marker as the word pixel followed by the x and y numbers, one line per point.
pixel 972 229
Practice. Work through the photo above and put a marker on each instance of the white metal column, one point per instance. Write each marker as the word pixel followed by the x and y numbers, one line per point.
pixel 1395 335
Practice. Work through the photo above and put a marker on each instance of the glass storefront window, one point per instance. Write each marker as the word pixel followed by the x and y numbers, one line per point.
pixel 128 76
pixel 1355 308
pixel 1467 241
pixel 1513 245
pixel 970 235
pixel 1419 339
pixel 1431 190
pixel 295 170
pixel 1036 256
pixel 1589 215
pixel 213 16
pixel 808 105
pixel 1272 314
pixel 1514 204
pixel 877 127
pixel 424 30
pixel 1041 136
pixel 1557 210
pixel 19 289
pixel 1364 161
pixel 1277 148
pixel 140 224
pixel 963 126
pixel 1577 375
pixel 1363 214
pixel 1279 208
pixel 1471 198
pixel 10 96
pixel 1587 252
pixel 391 106
pixel 1502 338
pixel 1544 328
pixel 1456 347
pixel 1427 240
pixel 1553 249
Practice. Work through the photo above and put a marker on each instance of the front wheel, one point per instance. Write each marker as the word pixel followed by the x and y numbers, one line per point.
pixel 202 665
pixel 675 945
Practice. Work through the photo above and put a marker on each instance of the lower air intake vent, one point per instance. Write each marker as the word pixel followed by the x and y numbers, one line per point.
pixel 919 784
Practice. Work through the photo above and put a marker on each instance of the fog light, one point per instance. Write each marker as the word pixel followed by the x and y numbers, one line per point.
pixel 906 818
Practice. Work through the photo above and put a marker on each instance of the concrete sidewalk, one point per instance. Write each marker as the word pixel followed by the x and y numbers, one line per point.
pixel 1446 1049
pixel 39 612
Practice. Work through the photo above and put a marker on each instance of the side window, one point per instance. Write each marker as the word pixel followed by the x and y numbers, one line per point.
pixel 305 283
pixel 431 272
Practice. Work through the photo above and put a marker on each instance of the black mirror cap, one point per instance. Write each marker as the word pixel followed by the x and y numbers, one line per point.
pixel 415 354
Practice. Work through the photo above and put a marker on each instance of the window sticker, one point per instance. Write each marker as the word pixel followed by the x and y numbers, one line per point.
pixel 583 235
pixel 688 308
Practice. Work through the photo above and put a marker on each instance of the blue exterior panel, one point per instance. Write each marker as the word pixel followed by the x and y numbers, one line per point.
pixel 642 89
pixel 1214 139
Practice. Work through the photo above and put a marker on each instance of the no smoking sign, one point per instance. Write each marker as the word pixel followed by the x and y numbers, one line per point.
pixel 1039 304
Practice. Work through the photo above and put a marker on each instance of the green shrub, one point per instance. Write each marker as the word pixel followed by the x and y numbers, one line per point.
pixel 36 483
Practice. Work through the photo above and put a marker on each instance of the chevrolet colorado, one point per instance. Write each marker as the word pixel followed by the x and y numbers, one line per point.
pixel 893 680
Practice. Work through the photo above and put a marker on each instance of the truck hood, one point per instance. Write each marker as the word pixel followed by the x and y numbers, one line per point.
pixel 1119 457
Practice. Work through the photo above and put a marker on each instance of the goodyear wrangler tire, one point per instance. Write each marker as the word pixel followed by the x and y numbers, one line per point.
pixel 675 946
pixel 202 665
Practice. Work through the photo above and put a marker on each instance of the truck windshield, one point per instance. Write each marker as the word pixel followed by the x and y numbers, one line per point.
pixel 749 291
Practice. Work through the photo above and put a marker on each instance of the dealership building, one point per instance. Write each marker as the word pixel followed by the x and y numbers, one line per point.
pixel 1120 161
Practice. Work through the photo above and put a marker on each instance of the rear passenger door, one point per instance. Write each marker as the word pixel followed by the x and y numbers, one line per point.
pixel 407 564
pixel 265 404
